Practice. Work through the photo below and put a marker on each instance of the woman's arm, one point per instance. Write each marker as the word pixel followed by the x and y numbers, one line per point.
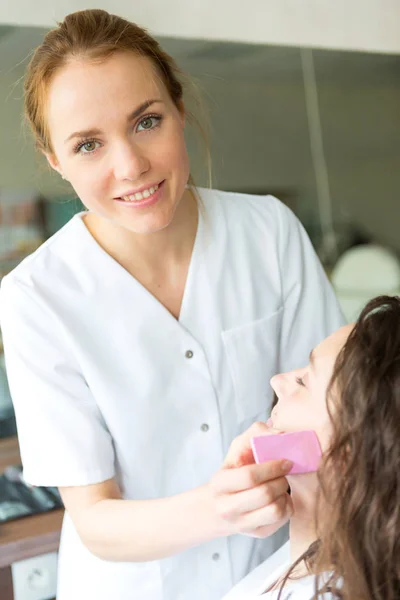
pixel 240 498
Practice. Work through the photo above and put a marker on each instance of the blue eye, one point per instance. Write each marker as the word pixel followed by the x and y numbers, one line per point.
pixel 300 381
pixel 149 122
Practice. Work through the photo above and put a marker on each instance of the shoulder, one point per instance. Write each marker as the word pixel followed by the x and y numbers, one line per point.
pixel 304 589
pixel 264 214
pixel 300 589
pixel 253 586
pixel 258 580
pixel 42 264
pixel 49 267
pixel 244 203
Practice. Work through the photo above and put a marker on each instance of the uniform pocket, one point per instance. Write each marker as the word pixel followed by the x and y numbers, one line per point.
pixel 253 356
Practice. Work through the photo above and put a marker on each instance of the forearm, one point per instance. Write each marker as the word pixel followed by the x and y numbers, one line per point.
pixel 241 497
pixel 144 530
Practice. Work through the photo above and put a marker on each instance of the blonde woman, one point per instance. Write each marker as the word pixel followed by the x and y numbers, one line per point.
pixel 140 339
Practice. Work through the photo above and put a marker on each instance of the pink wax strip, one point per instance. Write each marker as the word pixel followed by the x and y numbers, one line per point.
pixel 301 447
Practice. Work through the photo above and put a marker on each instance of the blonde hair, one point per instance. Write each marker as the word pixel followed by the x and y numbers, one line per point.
pixel 94 35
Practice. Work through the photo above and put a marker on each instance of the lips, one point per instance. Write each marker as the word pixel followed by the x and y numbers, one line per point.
pixel 141 195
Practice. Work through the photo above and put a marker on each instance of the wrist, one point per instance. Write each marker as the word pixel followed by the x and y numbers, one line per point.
pixel 219 527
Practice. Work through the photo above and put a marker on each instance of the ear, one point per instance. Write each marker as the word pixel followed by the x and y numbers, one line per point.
pixel 53 162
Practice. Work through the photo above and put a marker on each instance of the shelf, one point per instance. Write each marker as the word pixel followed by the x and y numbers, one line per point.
pixel 28 536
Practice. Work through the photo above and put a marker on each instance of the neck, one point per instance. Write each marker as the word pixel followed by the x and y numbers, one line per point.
pixel 137 252
pixel 304 489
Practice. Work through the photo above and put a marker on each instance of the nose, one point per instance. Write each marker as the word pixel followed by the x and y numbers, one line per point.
pixel 276 383
pixel 285 382
pixel 130 162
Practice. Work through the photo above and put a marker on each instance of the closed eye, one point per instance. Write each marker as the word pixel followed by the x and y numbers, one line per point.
pixel 300 381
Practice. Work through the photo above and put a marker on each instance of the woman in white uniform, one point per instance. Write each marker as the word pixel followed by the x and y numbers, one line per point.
pixel 345 529
pixel 140 339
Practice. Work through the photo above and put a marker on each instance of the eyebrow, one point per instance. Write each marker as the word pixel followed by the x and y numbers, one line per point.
pixel 312 359
pixel 133 115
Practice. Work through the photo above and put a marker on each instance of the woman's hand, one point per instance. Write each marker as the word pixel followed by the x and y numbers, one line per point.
pixel 249 498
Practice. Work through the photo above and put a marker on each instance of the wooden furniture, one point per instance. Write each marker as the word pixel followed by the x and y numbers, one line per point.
pixel 26 537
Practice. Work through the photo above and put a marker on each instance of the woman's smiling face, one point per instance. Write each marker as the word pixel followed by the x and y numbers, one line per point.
pixel 302 393
pixel 118 137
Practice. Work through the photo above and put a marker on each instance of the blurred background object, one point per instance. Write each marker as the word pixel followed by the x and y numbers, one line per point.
pixel 363 272
pixel 22 226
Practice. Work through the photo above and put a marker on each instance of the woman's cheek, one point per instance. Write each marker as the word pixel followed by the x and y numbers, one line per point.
pixel 290 418
pixel 324 433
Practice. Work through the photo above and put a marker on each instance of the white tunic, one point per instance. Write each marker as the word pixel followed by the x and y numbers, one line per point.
pixel 103 384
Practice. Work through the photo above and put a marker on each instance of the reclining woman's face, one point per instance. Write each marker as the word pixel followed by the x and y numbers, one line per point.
pixel 302 393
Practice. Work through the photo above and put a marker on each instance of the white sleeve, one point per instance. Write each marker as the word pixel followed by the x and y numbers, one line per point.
pixel 62 435
pixel 311 311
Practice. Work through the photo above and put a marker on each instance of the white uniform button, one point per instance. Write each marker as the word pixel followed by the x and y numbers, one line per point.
pixel 205 427
pixel 216 556
pixel 189 354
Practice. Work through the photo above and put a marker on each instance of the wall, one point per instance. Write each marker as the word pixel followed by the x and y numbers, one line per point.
pixel 258 127
pixel 260 134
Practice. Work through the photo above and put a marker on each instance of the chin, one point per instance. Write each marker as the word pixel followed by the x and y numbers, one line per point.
pixel 146 222
pixel 281 426
pixel 149 227
pixel 274 419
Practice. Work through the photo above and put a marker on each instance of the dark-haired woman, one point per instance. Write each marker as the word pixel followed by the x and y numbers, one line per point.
pixel 345 529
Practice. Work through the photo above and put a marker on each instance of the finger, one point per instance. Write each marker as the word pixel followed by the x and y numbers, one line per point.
pixel 274 431
pixel 240 452
pixel 274 513
pixel 239 455
pixel 235 505
pixel 267 530
pixel 228 481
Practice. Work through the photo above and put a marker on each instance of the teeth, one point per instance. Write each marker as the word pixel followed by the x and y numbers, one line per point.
pixel 141 195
